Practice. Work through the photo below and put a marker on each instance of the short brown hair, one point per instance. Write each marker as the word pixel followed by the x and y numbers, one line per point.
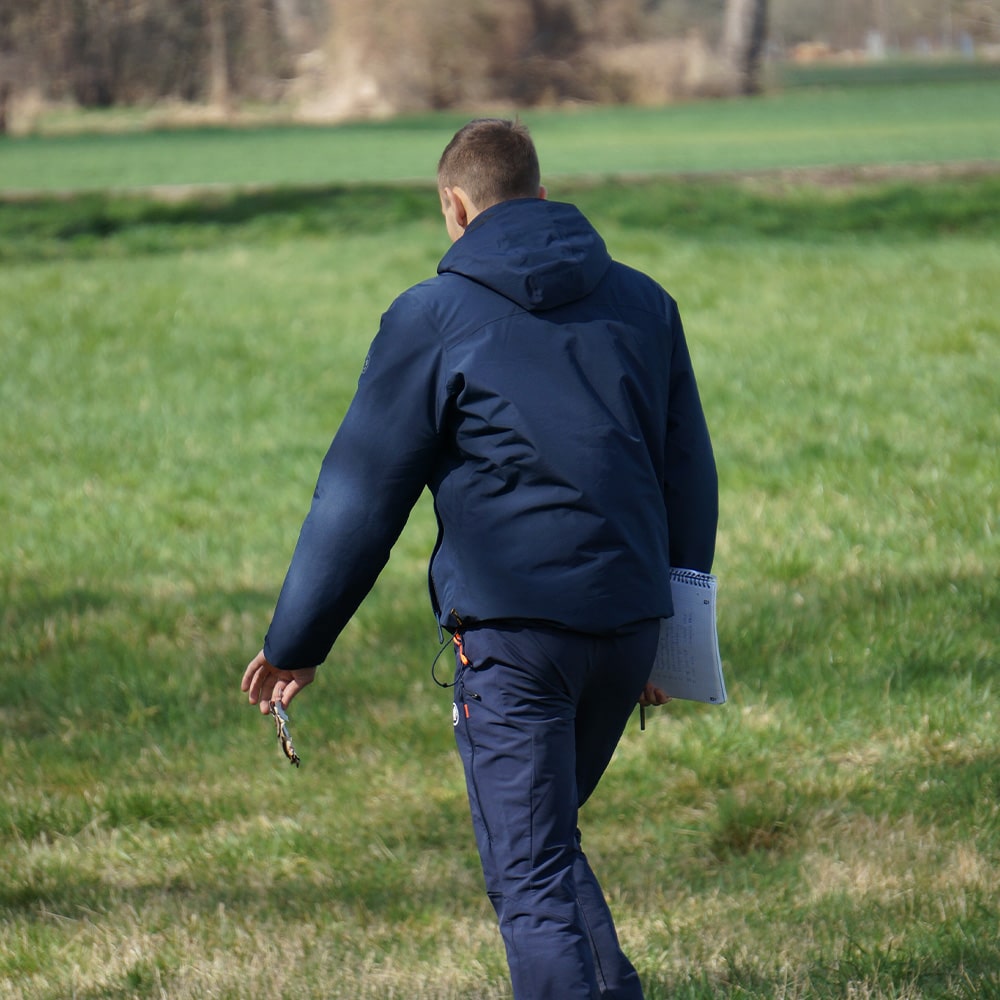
pixel 492 160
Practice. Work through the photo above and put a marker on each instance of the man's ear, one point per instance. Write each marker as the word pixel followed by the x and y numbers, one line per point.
pixel 542 193
pixel 461 204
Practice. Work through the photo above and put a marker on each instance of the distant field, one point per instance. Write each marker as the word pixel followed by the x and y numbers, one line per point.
pixel 904 123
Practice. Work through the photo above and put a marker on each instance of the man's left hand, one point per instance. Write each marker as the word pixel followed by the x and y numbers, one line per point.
pixel 652 695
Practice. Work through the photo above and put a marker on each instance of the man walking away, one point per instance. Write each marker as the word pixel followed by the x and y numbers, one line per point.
pixel 545 395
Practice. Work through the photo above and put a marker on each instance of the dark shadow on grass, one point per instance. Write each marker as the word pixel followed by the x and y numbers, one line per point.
pixel 35 603
pixel 374 885
pixel 109 224
pixel 115 224
pixel 860 639
pixel 106 675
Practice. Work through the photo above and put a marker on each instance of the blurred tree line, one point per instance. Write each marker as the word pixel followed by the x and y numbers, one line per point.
pixel 104 52
pixel 352 56
pixel 903 25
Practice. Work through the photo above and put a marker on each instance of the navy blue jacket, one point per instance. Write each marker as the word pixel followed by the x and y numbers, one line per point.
pixel 545 395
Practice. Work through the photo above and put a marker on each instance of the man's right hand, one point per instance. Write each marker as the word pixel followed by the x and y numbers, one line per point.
pixel 265 683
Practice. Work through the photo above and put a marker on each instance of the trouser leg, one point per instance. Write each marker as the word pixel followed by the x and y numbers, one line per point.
pixel 518 730
pixel 616 976
pixel 608 699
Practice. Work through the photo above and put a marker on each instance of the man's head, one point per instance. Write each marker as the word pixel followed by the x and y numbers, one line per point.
pixel 488 161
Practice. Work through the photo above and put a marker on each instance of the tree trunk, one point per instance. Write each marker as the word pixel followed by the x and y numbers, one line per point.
pixel 218 58
pixel 743 38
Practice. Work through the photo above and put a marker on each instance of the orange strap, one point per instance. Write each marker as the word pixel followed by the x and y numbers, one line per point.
pixel 457 640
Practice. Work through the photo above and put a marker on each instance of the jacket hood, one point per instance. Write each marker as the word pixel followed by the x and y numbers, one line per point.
pixel 539 254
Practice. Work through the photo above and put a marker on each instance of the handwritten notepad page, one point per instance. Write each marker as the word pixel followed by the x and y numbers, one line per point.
pixel 687 661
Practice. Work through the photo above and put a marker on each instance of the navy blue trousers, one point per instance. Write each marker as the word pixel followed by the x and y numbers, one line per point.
pixel 538 714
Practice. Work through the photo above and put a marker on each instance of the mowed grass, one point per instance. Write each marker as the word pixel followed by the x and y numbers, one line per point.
pixel 914 122
pixel 171 379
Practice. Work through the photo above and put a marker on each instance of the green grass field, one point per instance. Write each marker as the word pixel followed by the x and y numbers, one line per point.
pixel 172 375
pixel 805 127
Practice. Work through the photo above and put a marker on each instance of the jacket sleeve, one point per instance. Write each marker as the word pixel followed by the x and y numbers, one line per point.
pixel 372 475
pixel 691 488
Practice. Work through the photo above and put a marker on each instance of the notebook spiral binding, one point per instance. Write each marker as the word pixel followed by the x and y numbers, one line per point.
pixel 693 576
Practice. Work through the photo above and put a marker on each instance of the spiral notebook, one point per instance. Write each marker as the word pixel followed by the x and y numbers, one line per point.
pixel 687 661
